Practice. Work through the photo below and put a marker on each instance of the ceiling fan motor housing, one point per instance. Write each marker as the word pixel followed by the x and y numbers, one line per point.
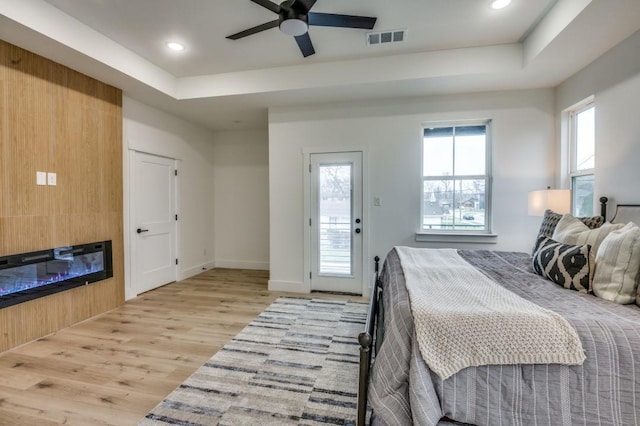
pixel 292 22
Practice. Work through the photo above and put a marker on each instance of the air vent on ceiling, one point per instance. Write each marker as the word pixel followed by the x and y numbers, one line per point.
pixel 386 37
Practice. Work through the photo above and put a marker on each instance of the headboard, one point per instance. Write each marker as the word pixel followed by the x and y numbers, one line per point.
pixel 624 212
pixel 627 213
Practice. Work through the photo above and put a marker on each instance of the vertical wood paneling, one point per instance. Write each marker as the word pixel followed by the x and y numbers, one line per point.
pixel 54 119
pixel 29 123
pixel 3 136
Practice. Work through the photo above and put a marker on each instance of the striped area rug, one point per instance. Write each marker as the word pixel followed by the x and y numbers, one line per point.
pixel 295 364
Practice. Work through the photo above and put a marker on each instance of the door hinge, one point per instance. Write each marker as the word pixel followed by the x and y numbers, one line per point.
pixel 309 221
pixel 309 167
pixel 309 275
pixel 176 217
pixel 176 261
pixel 175 172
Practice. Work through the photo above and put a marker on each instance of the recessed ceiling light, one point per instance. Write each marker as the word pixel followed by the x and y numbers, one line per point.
pixel 174 45
pixel 499 4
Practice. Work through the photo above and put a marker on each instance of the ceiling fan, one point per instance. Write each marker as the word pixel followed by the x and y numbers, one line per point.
pixel 294 18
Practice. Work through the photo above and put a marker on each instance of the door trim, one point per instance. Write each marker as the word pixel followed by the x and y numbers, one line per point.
pixel 131 290
pixel 367 268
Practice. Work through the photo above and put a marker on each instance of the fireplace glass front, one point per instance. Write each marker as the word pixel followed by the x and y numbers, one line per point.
pixel 28 276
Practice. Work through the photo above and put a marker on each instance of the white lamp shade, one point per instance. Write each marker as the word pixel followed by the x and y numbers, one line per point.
pixel 558 200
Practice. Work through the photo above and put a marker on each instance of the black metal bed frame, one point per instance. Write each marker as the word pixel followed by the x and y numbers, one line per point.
pixel 371 338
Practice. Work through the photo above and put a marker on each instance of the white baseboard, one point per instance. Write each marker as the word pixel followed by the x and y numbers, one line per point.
pixel 195 270
pixel 242 264
pixel 129 293
pixel 289 286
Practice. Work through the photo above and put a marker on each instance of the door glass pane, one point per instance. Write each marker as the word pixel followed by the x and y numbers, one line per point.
pixel 335 219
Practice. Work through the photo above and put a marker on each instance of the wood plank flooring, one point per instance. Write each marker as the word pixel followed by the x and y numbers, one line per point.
pixel 114 368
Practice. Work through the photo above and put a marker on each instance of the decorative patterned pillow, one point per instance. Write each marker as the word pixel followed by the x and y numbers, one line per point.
pixel 571 230
pixel 568 265
pixel 551 219
pixel 618 265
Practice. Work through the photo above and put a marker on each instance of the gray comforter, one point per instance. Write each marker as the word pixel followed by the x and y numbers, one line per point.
pixel 605 390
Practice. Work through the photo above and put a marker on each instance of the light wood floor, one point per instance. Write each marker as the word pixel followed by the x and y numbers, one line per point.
pixel 114 368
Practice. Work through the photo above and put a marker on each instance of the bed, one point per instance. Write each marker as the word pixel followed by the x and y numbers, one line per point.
pixel 603 389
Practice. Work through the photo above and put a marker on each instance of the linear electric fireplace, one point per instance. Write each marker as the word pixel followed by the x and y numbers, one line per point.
pixel 27 276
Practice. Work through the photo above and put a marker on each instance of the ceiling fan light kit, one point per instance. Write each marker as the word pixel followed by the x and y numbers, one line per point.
pixel 294 27
pixel 294 19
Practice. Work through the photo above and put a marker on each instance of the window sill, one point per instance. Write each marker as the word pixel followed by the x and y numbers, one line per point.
pixel 432 237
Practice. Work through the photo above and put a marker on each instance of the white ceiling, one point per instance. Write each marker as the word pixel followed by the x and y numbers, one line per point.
pixel 144 25
pixel 453 46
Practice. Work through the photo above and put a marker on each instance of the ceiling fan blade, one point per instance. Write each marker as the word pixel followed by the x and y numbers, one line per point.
pixel 305 45
pixel 345 21
pixel 275 8
pixel 302 6
pixel 254 30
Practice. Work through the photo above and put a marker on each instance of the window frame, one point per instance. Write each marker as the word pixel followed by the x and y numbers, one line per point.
pixel 572 141
pixel 459 235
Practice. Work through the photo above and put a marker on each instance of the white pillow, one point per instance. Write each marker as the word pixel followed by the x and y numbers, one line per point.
pixel 618 265
pixel 572 231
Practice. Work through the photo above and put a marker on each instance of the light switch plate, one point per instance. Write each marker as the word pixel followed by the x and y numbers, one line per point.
pixel 41 178
pixel 51 179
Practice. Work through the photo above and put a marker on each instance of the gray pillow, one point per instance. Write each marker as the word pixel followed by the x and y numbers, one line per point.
pixel 551 219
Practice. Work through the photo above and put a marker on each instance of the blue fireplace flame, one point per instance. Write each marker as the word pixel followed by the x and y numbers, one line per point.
pixel 27 276
pixel 61 268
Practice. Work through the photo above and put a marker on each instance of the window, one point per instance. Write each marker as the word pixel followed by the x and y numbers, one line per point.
pixel 582 150
pixel 456 179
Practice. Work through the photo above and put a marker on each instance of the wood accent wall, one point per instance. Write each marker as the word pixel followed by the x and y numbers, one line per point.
pixel 54 119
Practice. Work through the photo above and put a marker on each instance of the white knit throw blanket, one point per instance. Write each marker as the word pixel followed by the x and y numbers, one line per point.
pixel 463 318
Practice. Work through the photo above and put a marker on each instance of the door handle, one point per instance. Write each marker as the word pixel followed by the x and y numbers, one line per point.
pixel 140 231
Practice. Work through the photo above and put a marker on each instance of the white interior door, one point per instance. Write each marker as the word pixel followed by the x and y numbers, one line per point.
pixel 336 222
pixel 154 222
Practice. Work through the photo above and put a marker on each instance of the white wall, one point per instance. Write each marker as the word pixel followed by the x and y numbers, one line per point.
pixel 150 130
pixel 523 160
pixel 241 186
pixel 614 80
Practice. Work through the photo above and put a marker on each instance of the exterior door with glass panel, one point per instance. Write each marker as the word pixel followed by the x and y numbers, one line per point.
pixel 336 222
